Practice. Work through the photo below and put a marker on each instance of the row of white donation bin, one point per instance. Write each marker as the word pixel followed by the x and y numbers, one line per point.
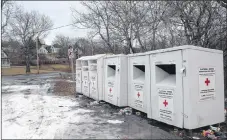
pixel 181 86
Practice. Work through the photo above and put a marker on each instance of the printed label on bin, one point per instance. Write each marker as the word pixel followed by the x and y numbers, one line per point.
pixel 93 86
pixel 206 83
pixel 166 104
pixel 85 89
pixel 93 91
pixel 85 77
pixel 138 95
pixel 110 91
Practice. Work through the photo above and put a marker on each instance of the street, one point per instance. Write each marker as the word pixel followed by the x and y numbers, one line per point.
pixel 32 109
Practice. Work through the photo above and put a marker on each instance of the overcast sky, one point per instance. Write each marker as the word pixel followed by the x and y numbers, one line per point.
pixel 60 14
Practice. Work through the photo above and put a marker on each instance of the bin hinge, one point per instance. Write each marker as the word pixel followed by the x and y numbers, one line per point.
pixel 183 71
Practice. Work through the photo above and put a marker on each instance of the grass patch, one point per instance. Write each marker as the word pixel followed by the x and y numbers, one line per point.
pixel 18 70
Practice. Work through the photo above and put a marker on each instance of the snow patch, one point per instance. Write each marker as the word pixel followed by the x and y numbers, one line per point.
pixel 115 121
pixel 19 87
pixel 82 111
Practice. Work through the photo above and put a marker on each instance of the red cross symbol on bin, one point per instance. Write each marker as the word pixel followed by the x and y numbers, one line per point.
pixel 207 81
pixel 165 103
pixel 110 90
pixel 138 94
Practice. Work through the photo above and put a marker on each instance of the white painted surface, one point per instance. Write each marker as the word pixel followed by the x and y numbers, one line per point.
pixel 166 108
pixel 199 72
pixel 96 76
pixel 208 112
pixel 138 81
pixel 78 81
pixel 116 81
pixel 85 83
pixel 206 83
pixel 164 79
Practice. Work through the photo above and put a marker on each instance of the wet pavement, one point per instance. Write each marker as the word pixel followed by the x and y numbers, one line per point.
pixel 33 109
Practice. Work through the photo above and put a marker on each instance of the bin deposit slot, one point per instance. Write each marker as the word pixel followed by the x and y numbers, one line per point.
pixel 84 63
pixel 111 70
pixel 166 74
pixel 139 72
pixel 85 68
pixel 93 67
pixel 93 61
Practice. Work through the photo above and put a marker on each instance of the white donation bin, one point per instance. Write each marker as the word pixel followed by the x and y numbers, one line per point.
pixel 85 75
pixel 187 86
pixel 138 81
pixel 116 74
pixel 78 75
pixel 96 76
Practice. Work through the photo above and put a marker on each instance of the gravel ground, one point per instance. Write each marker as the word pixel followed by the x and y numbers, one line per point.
pixel 44 106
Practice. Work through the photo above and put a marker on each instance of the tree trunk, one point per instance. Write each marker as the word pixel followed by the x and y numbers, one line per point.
pixel 153 40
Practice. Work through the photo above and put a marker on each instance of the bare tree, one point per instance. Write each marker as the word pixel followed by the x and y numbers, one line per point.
pixel 97 18
pixel 197 19
pixel 7 11
pixel 27 25
pixel 63 41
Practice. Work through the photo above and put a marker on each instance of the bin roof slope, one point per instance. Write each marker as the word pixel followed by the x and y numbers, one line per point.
pixel 184 47
pixel 92 57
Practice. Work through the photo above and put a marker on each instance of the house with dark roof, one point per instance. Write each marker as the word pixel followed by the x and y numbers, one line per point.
pixel 5 61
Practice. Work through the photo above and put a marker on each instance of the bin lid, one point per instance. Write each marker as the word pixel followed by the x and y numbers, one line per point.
pixel 116 55
pixel 92 57
pixel 177 48
pixel 183 48
pixel 97 56
pixel 85 58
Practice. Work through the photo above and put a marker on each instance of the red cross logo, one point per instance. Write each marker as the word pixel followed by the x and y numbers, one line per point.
pixel 138 94
pixel 207 81
pixel 165 103
pixel 110 90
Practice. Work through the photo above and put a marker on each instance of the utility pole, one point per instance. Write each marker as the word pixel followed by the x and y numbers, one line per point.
pixel 37 55
pixel 130 44
pixel 71 56
pixel 114 46
pixel 92 47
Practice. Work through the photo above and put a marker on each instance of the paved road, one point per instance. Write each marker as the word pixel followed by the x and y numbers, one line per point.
pixel 31 110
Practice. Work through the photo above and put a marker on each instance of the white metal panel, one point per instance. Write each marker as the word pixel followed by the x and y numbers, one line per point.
pixel 96 76
pixel 115 91
pixel 78 76
pixel 123 81
pixel 184 47
pixel 166 88
pixel 100 77
pixel 85 83
pixel 93 85
pixel 138 82
pixel 202 108
pixel 78 81
pixel 111 79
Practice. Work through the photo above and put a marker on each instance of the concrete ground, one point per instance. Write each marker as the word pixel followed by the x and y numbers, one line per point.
pixel 34 107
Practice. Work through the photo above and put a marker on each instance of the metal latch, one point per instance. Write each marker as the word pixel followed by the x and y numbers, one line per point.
pixel 183 71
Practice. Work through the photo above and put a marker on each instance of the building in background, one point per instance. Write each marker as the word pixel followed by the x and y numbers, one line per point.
pixel 5 60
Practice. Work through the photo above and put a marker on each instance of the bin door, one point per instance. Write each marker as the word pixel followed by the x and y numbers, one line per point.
pixel 78 81
pixel 111 81
pixel 93 85
pixel 167 90
pixel 137 95
pixel 85 84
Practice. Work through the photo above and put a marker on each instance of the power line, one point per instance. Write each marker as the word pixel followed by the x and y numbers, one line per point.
pixel 59 28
